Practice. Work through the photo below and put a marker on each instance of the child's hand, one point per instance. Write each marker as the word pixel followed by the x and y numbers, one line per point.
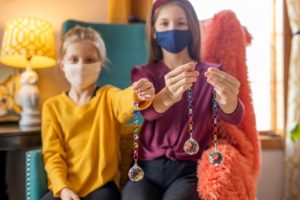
pixel 227 88
pixel 144 89
pixel 67 194
pixel 180 80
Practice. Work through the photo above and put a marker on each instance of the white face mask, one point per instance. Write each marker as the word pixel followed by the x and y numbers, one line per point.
pixel 82 75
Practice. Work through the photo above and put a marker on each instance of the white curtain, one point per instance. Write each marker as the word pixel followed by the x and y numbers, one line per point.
pixel 292 171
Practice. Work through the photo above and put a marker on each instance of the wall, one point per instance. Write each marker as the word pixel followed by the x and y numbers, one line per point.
pixel 51 80
pixel 271 182
pixel 56 12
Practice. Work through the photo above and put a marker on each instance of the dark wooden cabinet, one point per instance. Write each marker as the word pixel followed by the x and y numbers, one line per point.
pixel 13 137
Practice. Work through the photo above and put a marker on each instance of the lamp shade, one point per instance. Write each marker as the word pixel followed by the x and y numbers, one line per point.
pixel 28 41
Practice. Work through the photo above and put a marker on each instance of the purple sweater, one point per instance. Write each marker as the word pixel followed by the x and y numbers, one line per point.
pixel 164 134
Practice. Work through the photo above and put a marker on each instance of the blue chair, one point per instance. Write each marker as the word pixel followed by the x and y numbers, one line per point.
pixel 126 47
pixel 36 177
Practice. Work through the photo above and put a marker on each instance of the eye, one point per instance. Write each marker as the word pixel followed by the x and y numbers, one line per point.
pixel 73 59
pixel 164 24
pixel 90 60
pixel 182 23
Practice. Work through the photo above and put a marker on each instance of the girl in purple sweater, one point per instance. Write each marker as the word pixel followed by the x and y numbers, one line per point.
pixel 174 46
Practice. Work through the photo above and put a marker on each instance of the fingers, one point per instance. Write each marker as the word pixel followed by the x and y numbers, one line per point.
pixel 142 85
pixel 175 80
pixel 226 87
pixel 144 89
pixel 223 81
pixel 147 95
pixel 213 72
pixel 183 82
pixel 183 75
pixel 222 96
pixel 223 86
pixel 145 86
pixel 183 88
pixel 136 85
pixel 181 79
pixel 186 67
pixel 67 194
pixel 75 197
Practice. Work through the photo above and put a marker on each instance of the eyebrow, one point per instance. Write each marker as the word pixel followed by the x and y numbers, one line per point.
pixel 179 18
pixel 72 55
pixel 88 55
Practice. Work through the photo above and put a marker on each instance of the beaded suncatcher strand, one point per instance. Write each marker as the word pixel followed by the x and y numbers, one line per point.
pixel 215 157
pixel 135 173
pixel 191 146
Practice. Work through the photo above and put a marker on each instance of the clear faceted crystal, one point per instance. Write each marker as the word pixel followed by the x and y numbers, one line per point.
pixel 135 173
pixel 215 158
pixel 191 146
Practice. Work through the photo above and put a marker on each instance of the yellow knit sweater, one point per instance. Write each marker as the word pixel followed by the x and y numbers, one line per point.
pixel 81 142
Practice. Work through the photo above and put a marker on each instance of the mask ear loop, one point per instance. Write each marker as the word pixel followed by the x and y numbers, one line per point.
pixel 135 173
pixel 215 157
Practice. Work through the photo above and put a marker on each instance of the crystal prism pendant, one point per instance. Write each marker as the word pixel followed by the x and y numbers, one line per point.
pixel 191 146
pixel 135 173
pixel 215 157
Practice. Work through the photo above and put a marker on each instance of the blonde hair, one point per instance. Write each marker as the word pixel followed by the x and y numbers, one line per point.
pixel 80 33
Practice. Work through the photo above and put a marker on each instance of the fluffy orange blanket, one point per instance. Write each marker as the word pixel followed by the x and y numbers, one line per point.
pixel 224 41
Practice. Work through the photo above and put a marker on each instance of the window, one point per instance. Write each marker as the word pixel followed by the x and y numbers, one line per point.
pixel 263 20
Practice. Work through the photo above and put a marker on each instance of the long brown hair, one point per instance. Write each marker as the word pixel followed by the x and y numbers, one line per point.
pixel 155 52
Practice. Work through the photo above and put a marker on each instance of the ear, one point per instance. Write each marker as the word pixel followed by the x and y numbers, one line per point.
pixel 61 65
pixel 102 65
pixel 154 34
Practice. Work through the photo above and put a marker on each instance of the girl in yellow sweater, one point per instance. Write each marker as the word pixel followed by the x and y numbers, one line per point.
pixel 80 127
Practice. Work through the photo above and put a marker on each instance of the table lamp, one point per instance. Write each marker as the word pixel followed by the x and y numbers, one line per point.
pixel 28 43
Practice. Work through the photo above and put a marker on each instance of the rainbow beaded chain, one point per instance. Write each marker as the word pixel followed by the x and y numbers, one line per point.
pixel 215 157
pixel 135 173
pixel 191 146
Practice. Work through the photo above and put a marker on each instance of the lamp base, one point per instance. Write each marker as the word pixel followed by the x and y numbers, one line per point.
pixel 29 99
pixel 30 119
